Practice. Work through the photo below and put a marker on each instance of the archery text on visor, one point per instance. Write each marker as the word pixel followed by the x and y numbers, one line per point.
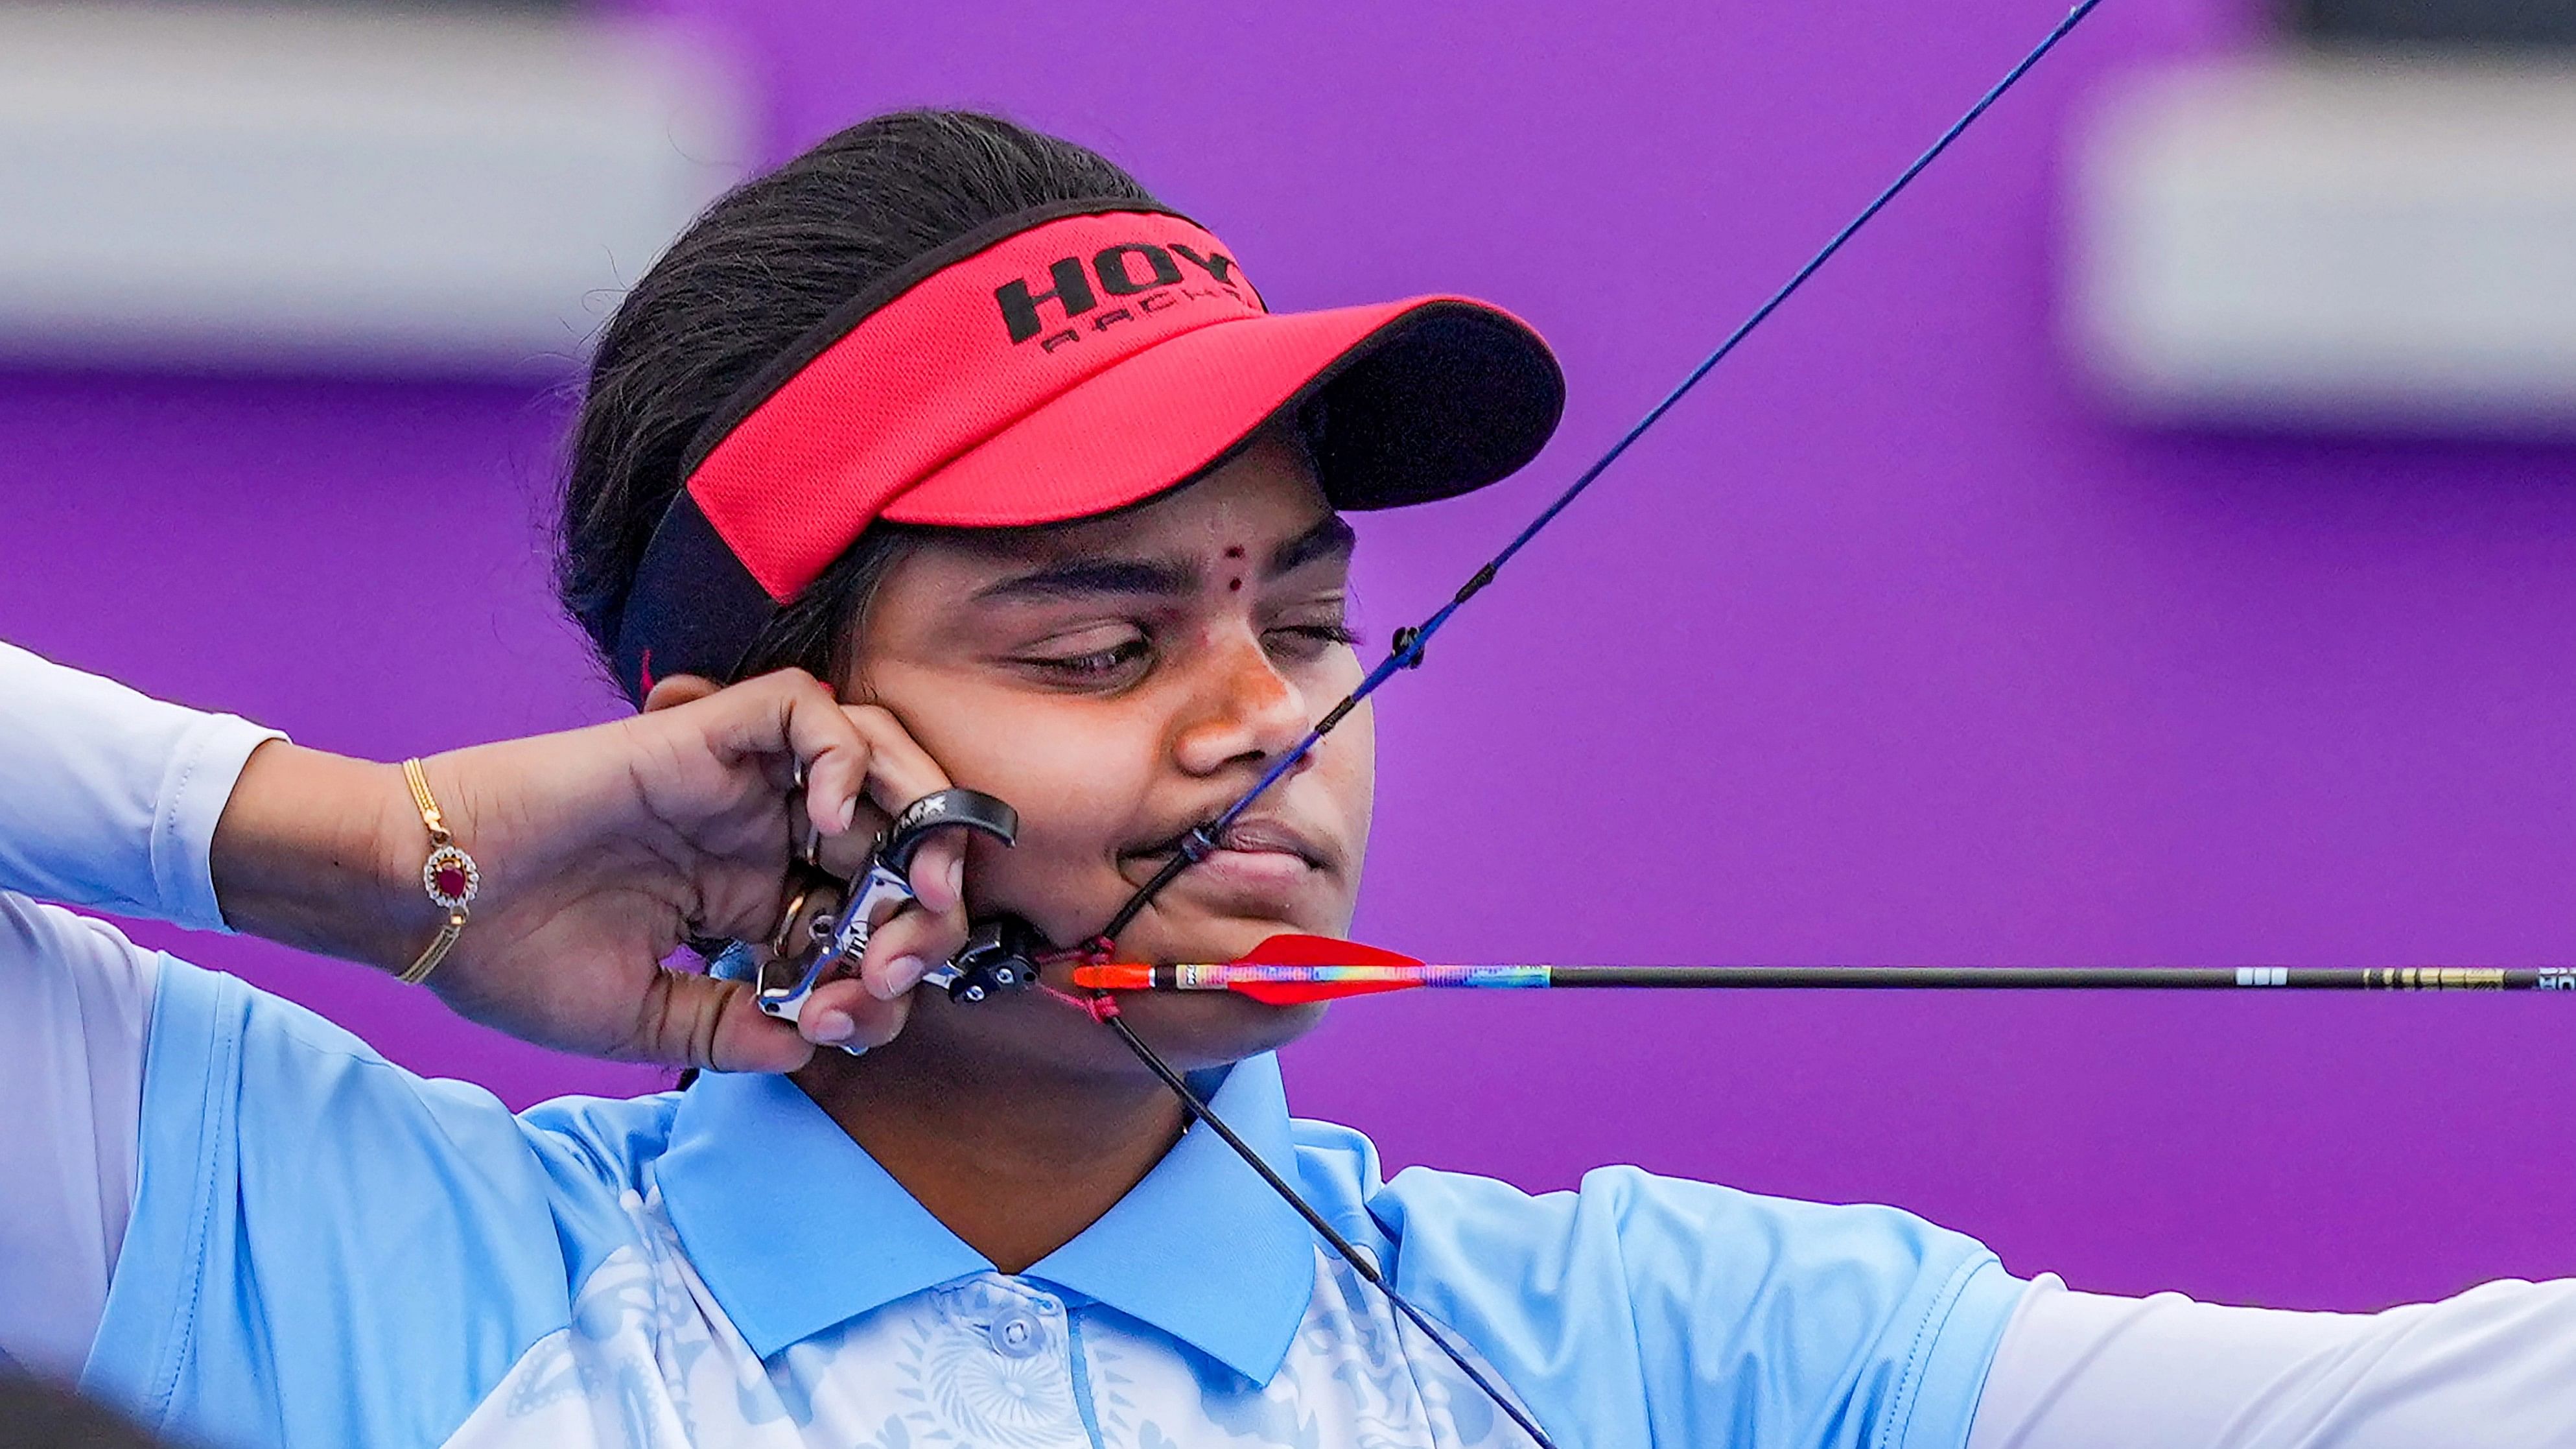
pixel 1058 364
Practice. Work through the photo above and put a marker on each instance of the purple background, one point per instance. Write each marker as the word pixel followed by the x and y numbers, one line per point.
pixel 1888 646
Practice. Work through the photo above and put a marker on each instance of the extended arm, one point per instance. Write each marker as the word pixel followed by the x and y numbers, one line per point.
pixel 2493 1366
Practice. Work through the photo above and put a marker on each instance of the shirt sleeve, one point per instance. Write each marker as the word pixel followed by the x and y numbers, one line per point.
pixel 1650 1310
pixel 74 998
pixel 107 799
pixel 327 1250
pixel 2101 1372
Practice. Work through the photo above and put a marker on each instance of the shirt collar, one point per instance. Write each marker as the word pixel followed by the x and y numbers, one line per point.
pixel 795 1228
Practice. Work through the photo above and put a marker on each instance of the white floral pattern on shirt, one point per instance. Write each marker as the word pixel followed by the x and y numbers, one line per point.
pixel 989 1362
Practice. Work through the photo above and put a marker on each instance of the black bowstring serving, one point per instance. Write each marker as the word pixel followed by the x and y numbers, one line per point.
pixel 1405 652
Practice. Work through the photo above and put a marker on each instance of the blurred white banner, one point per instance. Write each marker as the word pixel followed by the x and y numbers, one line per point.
pixel 204 186
pixel 2381 241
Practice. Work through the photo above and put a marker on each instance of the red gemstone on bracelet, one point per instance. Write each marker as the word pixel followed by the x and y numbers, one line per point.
pixel 449 875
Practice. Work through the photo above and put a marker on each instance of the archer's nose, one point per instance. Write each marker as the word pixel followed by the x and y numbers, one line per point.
pixel 1247 713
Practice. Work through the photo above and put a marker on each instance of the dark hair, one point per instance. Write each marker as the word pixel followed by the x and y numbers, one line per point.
pixel 758 270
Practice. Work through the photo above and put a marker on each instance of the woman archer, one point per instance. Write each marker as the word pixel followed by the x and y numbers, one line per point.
pixel 953 418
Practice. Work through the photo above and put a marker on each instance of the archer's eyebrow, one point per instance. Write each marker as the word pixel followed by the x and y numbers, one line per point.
pixel 1082 577
pixel 1331 537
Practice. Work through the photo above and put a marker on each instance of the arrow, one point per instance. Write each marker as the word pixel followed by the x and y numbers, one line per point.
pixel 1290 970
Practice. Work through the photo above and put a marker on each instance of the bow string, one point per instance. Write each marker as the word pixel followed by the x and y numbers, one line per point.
pixel 1406 652
pixel 1407 645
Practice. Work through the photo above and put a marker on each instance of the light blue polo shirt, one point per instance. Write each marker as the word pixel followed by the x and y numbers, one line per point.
pixel 327 1250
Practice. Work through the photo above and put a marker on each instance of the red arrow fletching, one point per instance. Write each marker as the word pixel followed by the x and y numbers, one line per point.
pixel 1289 949
pixel 1300 993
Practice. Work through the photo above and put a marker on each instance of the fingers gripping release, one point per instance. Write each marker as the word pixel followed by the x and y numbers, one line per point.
pixel 826 925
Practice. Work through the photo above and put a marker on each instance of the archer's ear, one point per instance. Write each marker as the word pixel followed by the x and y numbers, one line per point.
pixel 678 689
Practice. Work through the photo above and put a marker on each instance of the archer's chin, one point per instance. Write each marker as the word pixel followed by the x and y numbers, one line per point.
pixel 1196 1030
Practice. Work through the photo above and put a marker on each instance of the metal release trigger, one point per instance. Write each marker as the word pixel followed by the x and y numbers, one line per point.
pixel 1001 955
pixel 828 921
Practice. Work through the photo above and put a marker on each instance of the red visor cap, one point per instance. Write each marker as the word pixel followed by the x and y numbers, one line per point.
pixel 1049 369
pixel 1421 399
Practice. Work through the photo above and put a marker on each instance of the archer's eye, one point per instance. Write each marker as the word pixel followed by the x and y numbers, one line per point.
pixel 1306 642
pixel 1108 664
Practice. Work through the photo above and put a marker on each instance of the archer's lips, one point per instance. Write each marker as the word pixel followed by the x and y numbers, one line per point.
pixel 1263 864
pixel 1255 835
pixel 1265 868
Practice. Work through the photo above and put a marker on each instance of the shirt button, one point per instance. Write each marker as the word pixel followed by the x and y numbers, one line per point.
pixel 1015 1335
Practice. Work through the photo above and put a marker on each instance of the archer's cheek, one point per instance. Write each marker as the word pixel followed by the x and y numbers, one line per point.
pixel 1065 893
pixel 1350 781
pixel 1201 1030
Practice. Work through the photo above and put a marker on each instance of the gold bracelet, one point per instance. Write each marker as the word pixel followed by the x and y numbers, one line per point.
pixel 449 875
